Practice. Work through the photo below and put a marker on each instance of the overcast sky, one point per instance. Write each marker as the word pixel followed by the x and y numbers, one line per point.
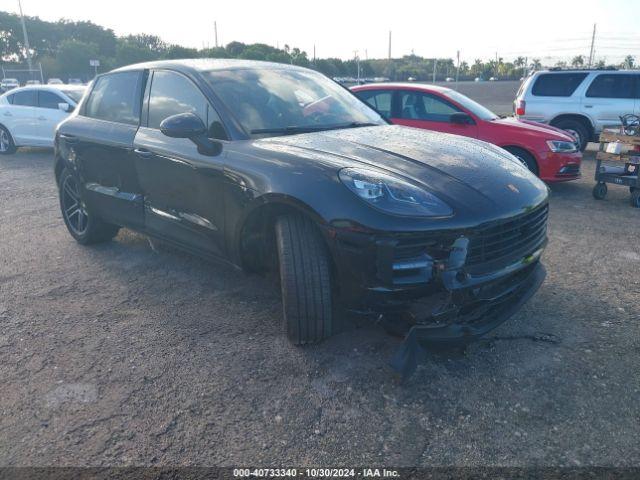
pixel 547 29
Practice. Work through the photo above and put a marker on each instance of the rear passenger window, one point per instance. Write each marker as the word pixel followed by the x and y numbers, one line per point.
pixel 115 98
pixel 173 93
pixel 557 84
pixel 612 86
pixel 380 100
pixel 25 98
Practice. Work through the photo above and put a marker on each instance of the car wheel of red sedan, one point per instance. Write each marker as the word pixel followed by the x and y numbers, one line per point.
pixel 525 157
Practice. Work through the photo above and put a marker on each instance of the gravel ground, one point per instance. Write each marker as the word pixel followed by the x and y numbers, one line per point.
pixel 121 355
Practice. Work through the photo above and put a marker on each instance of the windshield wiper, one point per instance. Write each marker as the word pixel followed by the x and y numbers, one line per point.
pixel 311 128
pixel 286 130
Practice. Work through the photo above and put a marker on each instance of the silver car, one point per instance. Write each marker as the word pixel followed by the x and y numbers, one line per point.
pixel 579 101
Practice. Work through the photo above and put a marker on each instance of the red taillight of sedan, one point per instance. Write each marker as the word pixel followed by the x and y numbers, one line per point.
pixel 520 107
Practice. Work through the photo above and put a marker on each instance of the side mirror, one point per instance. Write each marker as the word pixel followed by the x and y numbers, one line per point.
pixel 189 125
pixel 461 118
pixel 64 106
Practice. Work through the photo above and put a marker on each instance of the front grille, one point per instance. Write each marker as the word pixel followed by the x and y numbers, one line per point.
pixel 510 239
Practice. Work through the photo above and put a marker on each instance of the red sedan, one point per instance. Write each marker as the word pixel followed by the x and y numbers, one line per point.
pixel 547 151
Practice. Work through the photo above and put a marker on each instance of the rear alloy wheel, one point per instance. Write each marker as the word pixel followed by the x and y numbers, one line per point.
pixel 305 280
pixel 576 129
pixel 7 147
pixel 83 225
pixel 525 158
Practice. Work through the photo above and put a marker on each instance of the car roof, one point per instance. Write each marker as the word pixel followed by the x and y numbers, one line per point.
pixel 50 88
pixel 587 70
pixel 404 85
pixel 207 64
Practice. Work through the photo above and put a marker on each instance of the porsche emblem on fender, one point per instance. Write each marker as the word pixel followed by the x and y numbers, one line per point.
pixel 513 188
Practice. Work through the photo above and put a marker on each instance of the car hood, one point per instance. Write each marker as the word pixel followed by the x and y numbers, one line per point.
pixel 549 132
pixel 462 171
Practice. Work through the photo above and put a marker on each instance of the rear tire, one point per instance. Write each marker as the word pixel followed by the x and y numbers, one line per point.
pixel 7 145
pixel 305 280
pixel 576 129
pixel 525 157
pixel 82 223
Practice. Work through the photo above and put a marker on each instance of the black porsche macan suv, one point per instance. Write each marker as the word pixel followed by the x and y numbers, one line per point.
pixel 276 167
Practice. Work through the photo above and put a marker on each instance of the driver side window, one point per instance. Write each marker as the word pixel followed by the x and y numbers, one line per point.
pixel 424 106
pixel 172 93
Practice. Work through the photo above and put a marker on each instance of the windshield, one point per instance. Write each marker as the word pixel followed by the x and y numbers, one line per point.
pixel 478 110
pixel 280 101
pixel 75 94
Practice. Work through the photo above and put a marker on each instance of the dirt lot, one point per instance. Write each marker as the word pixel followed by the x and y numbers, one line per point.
pixel 119 355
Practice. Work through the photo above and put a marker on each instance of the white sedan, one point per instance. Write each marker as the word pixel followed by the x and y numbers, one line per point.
pixel 29 115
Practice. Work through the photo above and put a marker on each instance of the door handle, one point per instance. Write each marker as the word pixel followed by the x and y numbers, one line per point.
pixel 41 117
pixel 588 106
pixel 143 152
pixel 8 114
pixel 70 139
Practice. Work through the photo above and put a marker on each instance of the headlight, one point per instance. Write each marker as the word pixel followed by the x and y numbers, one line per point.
pixel 393 194
pixel 560 146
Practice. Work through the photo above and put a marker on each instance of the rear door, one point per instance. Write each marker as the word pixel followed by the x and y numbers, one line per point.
pixel 48 115
pixel 183 189
pixel 20 117
pixel 429 111
pixel 609 96
pixel 101 138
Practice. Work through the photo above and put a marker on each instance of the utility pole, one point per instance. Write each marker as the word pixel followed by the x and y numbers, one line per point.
pixel 496 71
pixel 314 53
pixel 357 58
pixel 526 67
pixel 593 39
pixel 26 37
pixel 457 69
pixel 215 32
pixel 435 63
pixel 389 45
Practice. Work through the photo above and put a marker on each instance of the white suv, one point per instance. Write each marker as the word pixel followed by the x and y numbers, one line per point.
pixel 579 101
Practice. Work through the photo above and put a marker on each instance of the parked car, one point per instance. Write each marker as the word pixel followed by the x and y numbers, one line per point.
pixel 55 81
pixel 8 84
pixel 579 101
pixel 33 82
pixel 75 81
pixel 29 115
pixel 276 167
pixel 548 152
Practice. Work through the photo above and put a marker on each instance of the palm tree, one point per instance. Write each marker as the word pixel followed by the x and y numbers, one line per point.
pixel 629 62
pixel 536 64
pixel 577 61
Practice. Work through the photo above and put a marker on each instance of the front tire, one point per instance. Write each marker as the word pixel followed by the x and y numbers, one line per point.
pixel 7 145
pixel 576 129
pixel 305 280
pixel 82 223
pixel 525 158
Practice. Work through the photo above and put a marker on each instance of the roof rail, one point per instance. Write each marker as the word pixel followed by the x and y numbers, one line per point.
pixel 566 69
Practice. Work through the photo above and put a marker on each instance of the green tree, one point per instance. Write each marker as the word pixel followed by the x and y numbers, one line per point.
pixel 629 62
pixel 73 57
pixel 577 61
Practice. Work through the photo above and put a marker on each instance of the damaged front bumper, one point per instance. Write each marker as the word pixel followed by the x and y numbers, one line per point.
pixel 443 287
